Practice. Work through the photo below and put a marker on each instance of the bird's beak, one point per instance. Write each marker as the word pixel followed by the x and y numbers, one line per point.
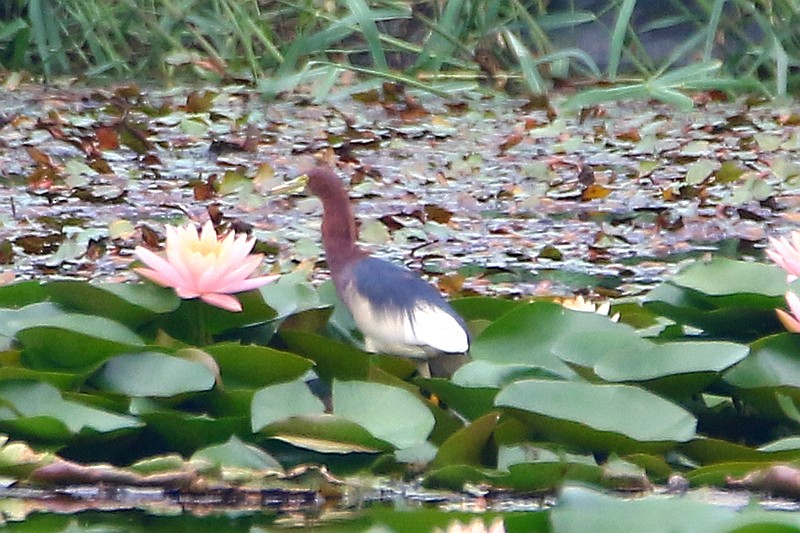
pixel 295 185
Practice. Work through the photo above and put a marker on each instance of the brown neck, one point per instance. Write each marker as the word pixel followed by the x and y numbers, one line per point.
pixel 338 225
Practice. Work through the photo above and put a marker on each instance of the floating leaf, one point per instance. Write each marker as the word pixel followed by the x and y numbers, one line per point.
pixel 699 171
pixel 186 433
pixel 340 361
pixel 36 410
pixel 326 434
pixel 131 304
pixel 582 510
pixel 466 446
pixel 23 293
pixel 153 374
pixel 727 277
pixel 73 341
pixel 282 401
pixel 378 408
pixel 469 401
pixel 251 366
pixel 588 415
pixel 526 335
pixel 237 454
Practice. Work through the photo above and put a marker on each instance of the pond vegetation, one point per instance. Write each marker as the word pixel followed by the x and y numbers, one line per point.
pixel 655 192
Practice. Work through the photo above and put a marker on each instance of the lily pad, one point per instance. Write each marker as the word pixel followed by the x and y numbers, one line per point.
pixel 677 369
pixel 587 415
pixel 527 335
pixel 186 433
pixel 582 510
pixel 327 434
pixel 466 446
pixel 74 341
pixel 389 413
pixel 16 295
pixel 153 374
pixel 341 361
pixel 130 304
pixel 237 454
pixel 471 402
pixel 251 366
pixel 282 401
pixel 495 375
pixel 38 411
pixel 728 277
pixel 771 369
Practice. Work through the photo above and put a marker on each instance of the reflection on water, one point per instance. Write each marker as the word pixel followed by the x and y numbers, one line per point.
pixel 70 516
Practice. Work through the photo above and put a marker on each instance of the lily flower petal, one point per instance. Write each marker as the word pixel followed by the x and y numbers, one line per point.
pixel 791 321
pixel 786 254
pixel 203 265
pixel 223 301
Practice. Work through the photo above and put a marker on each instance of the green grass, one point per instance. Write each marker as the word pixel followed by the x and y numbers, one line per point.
pixel 506 45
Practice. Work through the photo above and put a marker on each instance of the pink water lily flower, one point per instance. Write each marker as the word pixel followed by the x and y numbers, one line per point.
pixel 786 254
pixel 791 320
pixel 204 266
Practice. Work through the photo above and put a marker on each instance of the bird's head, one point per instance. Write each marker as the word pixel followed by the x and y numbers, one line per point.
pixel 321 181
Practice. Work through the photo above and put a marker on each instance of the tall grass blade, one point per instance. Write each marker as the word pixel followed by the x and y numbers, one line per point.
pixel 688 74
pixel 45 34
pixel 570 19
pixel 370 32
pixel 712 27
pixel 391 76
pixel 573 53
pixel 781 67
pixel 442 42
pixel 527 64
pixel 618 37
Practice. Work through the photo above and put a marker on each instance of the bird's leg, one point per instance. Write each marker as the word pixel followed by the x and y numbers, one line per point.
pixel 423 369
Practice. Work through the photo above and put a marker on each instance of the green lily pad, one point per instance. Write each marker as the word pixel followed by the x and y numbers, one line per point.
pixel 38 411
pixel 127 303
pixel 74 342
pixel 525 477
pixel 60 380
pixel 21 294
pixel 389 413
pixel 495 375
pixel 327 434
pixel 290 294
pixel 707 451
pixel 744 317
pixel 235 453
pixel 588 415
pixel 772 369
pixel 727 277
pixel 186 433
pixel 527 334
pixel 670 359
pixel 251 366
pixel 483 307
pixel 153 374
pixel 13 320
pixel 723 297
pixel 675 369
pixel 195 315
pixel 582 510
pixel 718 473
pixel 471 402
pixel 466 446
pixel 282 401
pixel 341 361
